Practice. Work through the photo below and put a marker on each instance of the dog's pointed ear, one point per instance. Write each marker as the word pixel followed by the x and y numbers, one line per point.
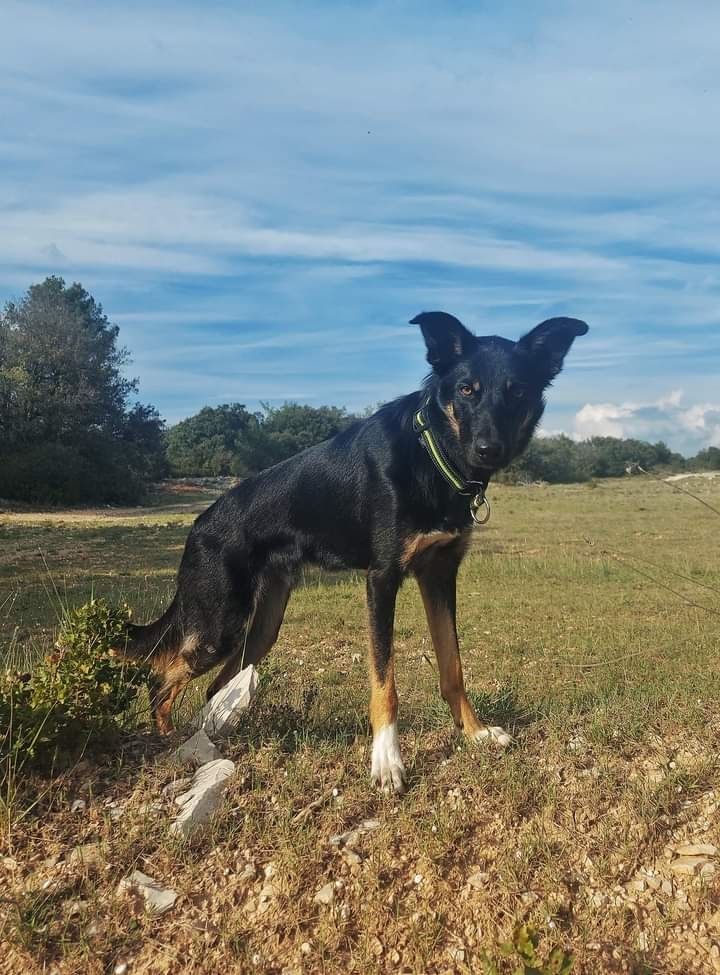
pixel 446 338
pixel 550 341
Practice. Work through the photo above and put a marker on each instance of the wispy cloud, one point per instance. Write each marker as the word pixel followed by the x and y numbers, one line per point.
pixel 276 192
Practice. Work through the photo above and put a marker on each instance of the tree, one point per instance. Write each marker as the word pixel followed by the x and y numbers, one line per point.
pixel 67 431
pixel 228 439
pixel 212 442
pixel 293 427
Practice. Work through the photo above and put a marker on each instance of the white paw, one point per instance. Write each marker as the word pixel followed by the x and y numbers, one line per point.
pixel 495 734
pixel 387 769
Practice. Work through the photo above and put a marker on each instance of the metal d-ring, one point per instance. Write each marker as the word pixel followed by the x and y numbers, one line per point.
pixel 476 505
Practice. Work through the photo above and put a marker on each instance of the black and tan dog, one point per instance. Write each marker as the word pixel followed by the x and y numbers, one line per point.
pixel 394 494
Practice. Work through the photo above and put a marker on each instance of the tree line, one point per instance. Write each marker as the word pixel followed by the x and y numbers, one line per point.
pixel 71 430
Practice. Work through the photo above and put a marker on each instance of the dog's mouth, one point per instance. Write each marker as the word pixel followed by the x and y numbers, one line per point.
pixel 484 467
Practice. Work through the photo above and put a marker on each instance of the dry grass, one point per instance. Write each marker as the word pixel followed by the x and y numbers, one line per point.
pixel 609 681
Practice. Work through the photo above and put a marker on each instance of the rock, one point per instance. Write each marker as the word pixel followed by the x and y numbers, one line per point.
pixel 352 836
pixel 79 805
pixel 203 797
pixel 87 856
pixel 221 715
pixel 326 894
pixel 477 879
pixel 350 856
pixel 696 849
pixel 198 750
pixel 688 865
pixel 157 899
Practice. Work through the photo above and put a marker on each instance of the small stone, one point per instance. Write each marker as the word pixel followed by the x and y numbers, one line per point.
pixel 121 968
pixel 305 948
pixel 688 865
pixel 350 856
pixel 157 899
pixel 636 886
pixel 87 855
pixel 477 879
pixel 326 894
pixel 79 805
pixel 696 849
pixel 198 750
pixel 377 947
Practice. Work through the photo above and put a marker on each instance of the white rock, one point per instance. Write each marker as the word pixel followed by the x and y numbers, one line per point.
pixel 696 849
pixel 221 714
pixel 198 750
pixel 203 797
pixel 326 894
pixel 79 805
pixel 157 899
pixel 688 865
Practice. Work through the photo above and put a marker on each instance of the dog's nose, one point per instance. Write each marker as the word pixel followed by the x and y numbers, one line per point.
pixel 489 453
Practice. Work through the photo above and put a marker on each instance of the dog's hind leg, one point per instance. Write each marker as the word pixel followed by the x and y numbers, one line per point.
pixel 436 578
pixel 387 769
pixel 261 632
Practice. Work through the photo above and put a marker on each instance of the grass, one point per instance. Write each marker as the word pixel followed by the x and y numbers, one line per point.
pixel 609 681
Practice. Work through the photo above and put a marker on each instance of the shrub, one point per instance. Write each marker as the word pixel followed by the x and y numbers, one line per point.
pixel 76 696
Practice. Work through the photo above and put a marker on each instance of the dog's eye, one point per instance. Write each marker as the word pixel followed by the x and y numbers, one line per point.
pixel 465 389
pixel 517 390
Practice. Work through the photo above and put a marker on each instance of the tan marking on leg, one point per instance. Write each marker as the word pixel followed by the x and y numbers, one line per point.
pixel 175 673
pixel 452 685
pixel 416 544
pixel 383 698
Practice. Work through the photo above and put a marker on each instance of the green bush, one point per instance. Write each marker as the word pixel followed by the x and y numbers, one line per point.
pixel 75 697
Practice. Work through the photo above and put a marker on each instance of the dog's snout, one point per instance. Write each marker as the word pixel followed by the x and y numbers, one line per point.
pixel 489 451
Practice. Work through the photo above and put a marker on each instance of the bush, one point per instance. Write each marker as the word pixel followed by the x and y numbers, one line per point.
pixel 75 697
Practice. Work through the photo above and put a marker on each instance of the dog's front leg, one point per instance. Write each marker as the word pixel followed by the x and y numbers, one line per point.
pixel 437 582
pixel 387 769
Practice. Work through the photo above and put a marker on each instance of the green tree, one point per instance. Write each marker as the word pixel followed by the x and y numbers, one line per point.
pixel 67 431
pixel 293 427
pixel 706 460
pixel 215 441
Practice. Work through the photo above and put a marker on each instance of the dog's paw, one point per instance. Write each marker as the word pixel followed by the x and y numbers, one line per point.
pixel 494 735
pixel 387 769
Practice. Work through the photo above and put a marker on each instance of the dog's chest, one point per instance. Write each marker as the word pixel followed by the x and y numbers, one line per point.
pixel 419 542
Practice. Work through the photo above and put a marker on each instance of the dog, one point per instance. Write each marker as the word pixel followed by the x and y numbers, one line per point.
pixel 395 494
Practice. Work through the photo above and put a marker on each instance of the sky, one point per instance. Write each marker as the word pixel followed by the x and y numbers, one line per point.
pixel 263 195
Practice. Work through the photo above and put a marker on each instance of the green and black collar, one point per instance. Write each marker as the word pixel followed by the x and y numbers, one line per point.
pixel 475 490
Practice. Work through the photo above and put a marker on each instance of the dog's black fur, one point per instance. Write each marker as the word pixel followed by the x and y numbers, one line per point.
pixel 370 498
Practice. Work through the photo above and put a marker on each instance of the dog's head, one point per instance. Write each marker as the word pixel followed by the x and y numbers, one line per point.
pixel 490 389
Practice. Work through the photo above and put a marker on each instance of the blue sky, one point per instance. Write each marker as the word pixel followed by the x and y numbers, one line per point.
pixel 262 195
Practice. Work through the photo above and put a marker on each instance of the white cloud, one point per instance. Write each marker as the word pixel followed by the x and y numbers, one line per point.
pixel 686 428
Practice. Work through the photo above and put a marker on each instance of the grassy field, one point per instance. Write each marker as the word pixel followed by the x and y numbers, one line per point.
pixel 570 639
